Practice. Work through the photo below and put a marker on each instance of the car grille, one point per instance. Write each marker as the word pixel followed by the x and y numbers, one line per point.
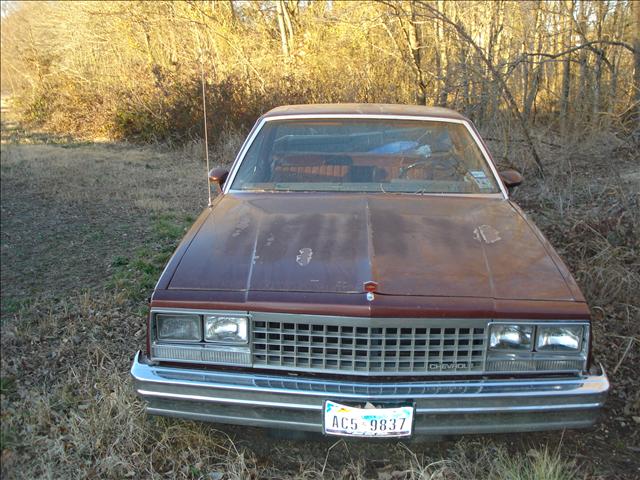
pixel 347 346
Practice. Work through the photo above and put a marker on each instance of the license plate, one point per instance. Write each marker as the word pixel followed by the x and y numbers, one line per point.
pixel 367 422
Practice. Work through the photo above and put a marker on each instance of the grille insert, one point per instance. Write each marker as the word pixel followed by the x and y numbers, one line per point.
pixel 368 349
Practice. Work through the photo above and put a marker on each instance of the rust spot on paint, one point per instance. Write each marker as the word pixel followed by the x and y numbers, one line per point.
pixel 270 240
pixel 486 234
pixel 241 226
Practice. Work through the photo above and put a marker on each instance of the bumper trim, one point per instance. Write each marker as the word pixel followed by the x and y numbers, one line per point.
pixel 456 406
pixel 235 401
pixel 515 408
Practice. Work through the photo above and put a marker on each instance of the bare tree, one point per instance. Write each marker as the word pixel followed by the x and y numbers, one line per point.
pixel 463 35
pixel 131 67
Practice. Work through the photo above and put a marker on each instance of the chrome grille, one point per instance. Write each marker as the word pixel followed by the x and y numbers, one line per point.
pixel 345 347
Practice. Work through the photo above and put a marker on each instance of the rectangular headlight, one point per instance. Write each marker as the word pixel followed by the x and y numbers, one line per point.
pixel 176 327
pixel 511 337
pixel 564 338
pixel 226 329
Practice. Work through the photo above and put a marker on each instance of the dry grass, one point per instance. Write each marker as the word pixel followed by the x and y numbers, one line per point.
pixel 85 422
pixel 81 233
pixel 225 151
pixel 589 205
pixel 68 209
pixel 78 418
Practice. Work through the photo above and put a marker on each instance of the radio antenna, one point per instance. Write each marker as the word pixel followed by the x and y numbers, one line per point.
pixel 204 116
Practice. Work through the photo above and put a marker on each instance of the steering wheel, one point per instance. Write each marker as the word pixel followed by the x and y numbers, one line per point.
pixel 439 160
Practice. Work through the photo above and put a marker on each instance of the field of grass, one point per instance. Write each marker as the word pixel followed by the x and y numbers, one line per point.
pixel 86 229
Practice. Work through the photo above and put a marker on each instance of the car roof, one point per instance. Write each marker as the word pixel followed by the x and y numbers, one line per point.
pixel 364 109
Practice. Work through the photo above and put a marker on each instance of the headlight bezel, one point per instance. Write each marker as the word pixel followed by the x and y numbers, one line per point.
pixel 534 360
pixel 242 321
pixel 202 315
pixel 536 327
pixel 514 326
pixel 199 352
pixel 157 318
pixel 580 334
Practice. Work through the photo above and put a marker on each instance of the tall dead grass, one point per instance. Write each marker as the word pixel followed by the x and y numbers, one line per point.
pixel 589 206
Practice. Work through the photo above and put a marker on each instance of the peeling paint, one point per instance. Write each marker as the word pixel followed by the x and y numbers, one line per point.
pixel 241 226
pixel 486 234
pixel 304 257
pixel 270 239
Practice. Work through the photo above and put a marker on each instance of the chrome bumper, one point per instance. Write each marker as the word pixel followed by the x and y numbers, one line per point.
pixel 442 407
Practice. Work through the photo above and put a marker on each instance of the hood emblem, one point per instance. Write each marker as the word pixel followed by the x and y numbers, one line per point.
pixel 370 287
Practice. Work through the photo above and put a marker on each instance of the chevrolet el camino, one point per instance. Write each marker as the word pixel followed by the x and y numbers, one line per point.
pixel 364 273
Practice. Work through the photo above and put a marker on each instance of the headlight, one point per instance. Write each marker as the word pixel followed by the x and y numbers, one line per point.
pixel 181 328
pixel 559 339
pixel 226 329
pixel 510 337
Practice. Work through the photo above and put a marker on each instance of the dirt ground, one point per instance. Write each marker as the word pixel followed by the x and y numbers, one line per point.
pixel 87 226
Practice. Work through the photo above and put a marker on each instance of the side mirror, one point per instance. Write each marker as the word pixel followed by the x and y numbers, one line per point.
pixel 511 178
pixel 219 176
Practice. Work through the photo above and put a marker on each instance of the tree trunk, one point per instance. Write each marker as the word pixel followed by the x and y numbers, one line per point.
pixel 583 78
pixel 635 19
pixel 537 71
pixel 495 55
pixel 441 59
pixel 284 42
pixel 612 97
pixel 566 71
pixel 597 84
pixel 287 21
pixel 414 35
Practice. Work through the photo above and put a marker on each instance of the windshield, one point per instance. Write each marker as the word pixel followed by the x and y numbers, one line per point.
pixel 364 155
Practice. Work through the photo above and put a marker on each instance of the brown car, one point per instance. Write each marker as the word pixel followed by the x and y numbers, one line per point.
pixel 364 273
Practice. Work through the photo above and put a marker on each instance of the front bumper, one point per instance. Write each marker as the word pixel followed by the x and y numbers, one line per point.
pixel 442 407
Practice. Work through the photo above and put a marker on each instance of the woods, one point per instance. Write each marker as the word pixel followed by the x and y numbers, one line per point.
pixel 93 204
pixel 132 70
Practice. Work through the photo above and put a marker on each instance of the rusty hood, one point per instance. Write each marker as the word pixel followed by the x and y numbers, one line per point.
pixel 408 244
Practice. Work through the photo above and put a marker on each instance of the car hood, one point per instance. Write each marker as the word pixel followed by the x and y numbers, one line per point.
pixel 420 245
